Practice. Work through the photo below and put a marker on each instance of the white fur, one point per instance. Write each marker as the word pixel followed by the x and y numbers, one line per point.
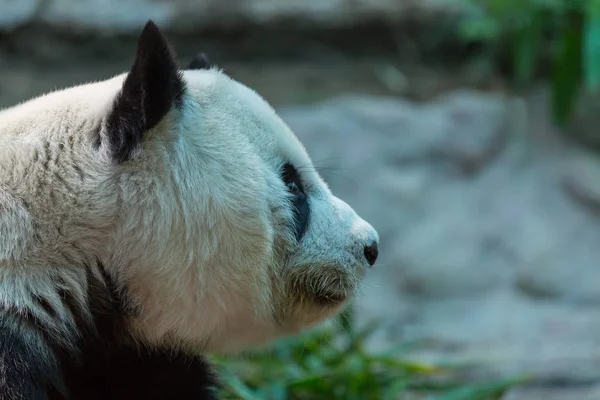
pixel 195 226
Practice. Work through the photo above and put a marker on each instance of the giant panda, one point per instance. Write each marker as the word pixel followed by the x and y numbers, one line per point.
pixel 153 218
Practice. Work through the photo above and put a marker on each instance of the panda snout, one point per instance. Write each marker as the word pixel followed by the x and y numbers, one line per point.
pixel 368 249
pixel 371 252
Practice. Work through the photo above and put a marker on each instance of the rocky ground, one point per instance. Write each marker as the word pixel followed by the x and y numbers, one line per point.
pixel 488 217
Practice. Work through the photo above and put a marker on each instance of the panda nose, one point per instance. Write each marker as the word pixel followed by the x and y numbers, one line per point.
pixel 371 253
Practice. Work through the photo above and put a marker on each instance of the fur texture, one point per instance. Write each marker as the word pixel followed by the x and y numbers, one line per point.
pixel 154 217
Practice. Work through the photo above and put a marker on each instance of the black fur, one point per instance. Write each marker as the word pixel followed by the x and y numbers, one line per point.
pixel 152 87
pixel 101 365
pixel 201 61
pixel 300 206
pixel 25 373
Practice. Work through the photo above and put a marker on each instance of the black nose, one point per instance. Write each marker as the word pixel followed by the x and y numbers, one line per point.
pixel 371 253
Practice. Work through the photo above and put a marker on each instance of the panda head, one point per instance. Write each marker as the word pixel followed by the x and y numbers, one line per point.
pixel 197 199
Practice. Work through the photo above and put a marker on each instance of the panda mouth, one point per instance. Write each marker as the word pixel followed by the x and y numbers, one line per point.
pixel 324 285
pixel 333 292
pixel 329 298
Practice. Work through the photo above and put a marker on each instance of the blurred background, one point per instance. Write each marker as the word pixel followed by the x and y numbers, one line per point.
pixel 466 132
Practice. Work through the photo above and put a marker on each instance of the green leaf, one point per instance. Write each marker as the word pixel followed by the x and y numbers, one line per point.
pixel 347 318
pixel 526 48
pixel 567 70
pixel 483 391
pixel 239 388
pixel 414 367
pixel 314 366
pixel 592 45
pixel 474 29
pixel 277 391
pixel 393 392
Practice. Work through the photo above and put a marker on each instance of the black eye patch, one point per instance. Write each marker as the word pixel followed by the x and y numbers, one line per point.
pixel 299 200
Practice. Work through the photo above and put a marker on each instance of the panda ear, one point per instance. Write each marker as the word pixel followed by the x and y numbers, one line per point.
pixel 201 61
pixel 151 89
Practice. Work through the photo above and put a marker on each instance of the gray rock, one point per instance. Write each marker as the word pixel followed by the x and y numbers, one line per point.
pixel 554 393
pixel 566 272
pixel 473 128
pixel 583 126
pixel 565 266
pixel 494 335
pixel 16 13
pixel 582 179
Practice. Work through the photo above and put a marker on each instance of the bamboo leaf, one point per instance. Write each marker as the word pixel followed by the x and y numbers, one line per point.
pixel 526 48
pixel 567 72
pixel 592 45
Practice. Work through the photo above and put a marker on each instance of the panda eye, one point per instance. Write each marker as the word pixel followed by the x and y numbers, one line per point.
pixel 291 178
pixel 298 202
pixel 293 188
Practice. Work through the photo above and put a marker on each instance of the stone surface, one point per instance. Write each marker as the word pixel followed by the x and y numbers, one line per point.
pixel 17 12
pixel 583 126
pixel 591 392
pixel 126 16
pixel 582 180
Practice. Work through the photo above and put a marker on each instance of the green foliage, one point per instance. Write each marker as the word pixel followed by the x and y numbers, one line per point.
pixel 562 36
pixel 333 363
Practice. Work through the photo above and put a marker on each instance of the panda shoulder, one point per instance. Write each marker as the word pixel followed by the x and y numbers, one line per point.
pixel 16 227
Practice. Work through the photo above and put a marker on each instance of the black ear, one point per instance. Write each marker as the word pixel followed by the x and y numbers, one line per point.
pixel 152 87
pixel 201 61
